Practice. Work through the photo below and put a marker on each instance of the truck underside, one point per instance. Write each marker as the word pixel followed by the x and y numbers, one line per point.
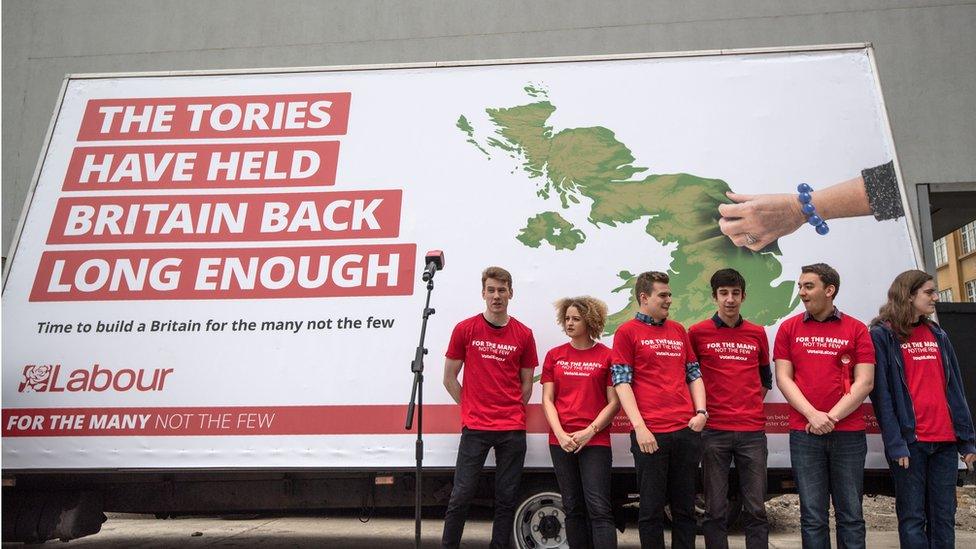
pixel 69 505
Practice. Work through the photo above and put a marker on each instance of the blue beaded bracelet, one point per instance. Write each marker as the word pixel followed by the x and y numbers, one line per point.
pixel 809 210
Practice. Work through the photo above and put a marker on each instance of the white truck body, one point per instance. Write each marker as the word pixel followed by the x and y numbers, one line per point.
pixel 171 210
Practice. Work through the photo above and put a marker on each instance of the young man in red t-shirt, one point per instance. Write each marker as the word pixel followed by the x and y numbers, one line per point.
pixel 498 355
pixel 734 358
pixel 825 369
pixel 656 376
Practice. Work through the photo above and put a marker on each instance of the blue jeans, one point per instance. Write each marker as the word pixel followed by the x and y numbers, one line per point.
pixel 830 468
pixel 584 482
pixel 925 495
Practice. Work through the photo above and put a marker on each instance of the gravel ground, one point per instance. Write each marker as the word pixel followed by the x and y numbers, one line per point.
pixel 879 512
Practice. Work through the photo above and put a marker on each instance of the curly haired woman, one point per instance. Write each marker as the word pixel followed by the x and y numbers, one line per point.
pixel 579 402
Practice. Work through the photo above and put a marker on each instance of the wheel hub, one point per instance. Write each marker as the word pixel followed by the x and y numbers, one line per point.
pixel 549 526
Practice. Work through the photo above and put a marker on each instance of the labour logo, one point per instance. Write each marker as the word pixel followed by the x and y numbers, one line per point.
pixel 37 377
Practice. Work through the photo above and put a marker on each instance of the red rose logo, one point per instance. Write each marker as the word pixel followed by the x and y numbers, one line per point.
pixel 36 378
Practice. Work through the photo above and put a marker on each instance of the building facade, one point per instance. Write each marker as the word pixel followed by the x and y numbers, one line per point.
pixel 955 259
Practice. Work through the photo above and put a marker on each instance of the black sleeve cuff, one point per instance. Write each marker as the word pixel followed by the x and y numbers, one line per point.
pixel 881 186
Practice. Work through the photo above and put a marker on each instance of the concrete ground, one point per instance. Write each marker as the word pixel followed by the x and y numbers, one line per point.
pixel 387 531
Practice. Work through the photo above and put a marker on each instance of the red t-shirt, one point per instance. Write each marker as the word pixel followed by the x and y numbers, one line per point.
pixel 580 381
pixel 816 350
pixel 729 357
pixel 491 391
pixel 925 376
pixel 658 355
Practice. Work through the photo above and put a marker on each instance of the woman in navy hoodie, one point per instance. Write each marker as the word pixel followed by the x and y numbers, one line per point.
pixel 921 405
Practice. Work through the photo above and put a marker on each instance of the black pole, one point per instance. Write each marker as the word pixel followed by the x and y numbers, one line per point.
pixel 417 403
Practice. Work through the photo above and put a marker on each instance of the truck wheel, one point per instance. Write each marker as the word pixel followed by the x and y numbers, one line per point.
pixel 540 522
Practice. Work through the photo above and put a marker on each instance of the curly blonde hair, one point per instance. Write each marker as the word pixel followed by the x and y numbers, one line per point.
pixel 593 311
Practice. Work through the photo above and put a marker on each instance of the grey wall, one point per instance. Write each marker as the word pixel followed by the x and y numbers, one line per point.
pixel 926 51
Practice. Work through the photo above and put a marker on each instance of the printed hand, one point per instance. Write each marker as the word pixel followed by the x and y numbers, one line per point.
pixel 902 462
pixel 756 221
pixel 645 440
pixel 566 442
pixel 697 422
pixel 582 436
pixel 820 423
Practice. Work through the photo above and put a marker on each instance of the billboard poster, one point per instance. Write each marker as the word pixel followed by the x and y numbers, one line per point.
pixel 222 270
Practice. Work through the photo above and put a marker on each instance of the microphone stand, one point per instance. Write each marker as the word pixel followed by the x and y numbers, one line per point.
pixel 417 403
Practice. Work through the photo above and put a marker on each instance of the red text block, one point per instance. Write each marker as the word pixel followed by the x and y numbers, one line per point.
pixel 226 218
pixel 225 273
pixel 293 115
pixel 232 165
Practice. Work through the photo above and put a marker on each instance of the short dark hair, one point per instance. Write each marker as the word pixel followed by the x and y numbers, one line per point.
pixel 729 278
pixel 645 283
pixel 828 275
pixel 496 273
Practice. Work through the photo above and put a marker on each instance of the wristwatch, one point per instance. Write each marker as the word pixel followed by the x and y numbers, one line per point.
pixel 702 412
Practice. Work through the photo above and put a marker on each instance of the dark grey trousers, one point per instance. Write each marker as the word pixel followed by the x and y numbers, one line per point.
pixel 749 451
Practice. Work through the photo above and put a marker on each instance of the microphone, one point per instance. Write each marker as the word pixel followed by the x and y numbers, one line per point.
pixel 435 262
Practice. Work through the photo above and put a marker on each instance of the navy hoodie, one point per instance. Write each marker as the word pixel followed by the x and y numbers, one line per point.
pixel 893 403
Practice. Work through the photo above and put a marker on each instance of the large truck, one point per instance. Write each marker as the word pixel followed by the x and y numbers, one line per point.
pixel 213 299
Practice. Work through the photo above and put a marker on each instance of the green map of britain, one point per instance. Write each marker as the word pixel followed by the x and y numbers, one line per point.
pixel 590 162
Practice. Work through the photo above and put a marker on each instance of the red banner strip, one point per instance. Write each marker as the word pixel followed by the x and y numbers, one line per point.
pixel 274 420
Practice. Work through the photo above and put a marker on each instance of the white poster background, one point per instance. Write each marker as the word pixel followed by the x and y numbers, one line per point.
pixel 761 122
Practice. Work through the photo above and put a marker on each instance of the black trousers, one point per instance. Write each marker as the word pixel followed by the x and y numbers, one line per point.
pixel 584 482
pixel 667 476
pixel 749 450
pixel 509 458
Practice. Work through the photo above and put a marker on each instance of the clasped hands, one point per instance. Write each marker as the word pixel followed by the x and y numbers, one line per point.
pixel 820 423
pixel 575 441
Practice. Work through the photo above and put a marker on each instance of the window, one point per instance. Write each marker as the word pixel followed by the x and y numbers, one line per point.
pixel 945 296
pixel 941 255
pixel 971 291
pixel 968 234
